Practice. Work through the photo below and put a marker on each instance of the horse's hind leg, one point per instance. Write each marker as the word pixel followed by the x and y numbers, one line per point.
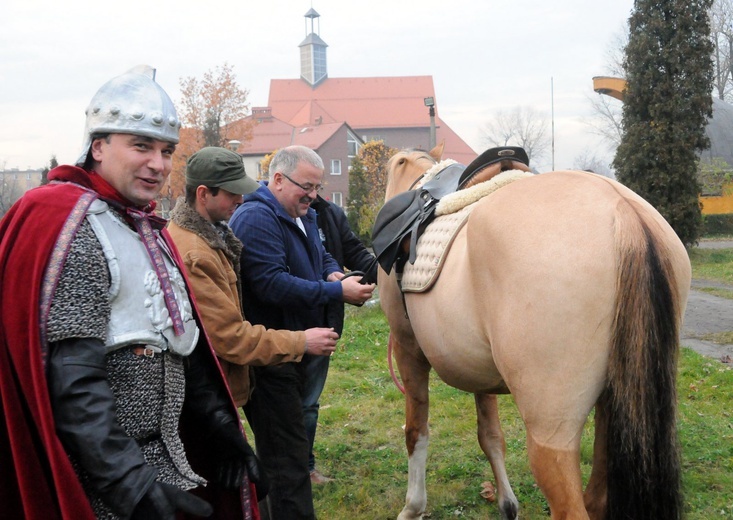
pixel 491 440
pixel 415 371
pixel 596 492
pixel 557 472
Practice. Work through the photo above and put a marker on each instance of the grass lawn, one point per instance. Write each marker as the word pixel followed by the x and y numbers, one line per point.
pixel 712 264
pixel 360 439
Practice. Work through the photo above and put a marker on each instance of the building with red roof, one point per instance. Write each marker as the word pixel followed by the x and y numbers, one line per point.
pixel 335 116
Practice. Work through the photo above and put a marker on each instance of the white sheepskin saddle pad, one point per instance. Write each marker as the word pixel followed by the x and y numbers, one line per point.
pixel 451 215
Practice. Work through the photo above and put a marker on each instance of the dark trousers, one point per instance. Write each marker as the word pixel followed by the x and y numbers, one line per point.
pixel 275 413
pixel 316 372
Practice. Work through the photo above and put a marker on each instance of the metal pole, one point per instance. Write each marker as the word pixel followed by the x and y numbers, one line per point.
pixel 552 104
pixel 432 127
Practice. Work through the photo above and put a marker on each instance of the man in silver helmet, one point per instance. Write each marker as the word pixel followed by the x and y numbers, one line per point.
pixel 113 402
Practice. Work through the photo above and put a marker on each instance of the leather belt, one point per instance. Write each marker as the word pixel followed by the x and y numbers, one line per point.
pixel 146 350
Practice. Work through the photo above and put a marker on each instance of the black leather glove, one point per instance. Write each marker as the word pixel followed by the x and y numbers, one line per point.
pixel 162 501
pixel 236 457
pixel 208 402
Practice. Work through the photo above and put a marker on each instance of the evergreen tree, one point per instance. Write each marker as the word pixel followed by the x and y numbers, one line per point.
pixel 51 165
pixel 666 107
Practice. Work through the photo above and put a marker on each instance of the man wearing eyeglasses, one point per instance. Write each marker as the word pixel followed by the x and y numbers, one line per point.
pixel 288 278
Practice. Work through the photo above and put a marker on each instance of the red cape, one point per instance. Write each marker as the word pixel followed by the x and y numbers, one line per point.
pixel 37 480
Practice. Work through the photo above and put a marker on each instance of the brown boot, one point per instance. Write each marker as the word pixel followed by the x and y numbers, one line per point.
pixel 319 478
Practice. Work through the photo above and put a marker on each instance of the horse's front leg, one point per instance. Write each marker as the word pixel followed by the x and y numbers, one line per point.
pixel 414 371
pixel 491 440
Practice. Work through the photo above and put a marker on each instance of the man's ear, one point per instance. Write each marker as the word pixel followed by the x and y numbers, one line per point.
pixel 201 193
pixel 276 180
pixel 96 148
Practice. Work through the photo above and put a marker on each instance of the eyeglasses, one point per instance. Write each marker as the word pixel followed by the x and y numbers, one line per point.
pixel 305 187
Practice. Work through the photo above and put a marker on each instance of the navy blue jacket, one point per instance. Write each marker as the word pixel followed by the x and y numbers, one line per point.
pixel 283 271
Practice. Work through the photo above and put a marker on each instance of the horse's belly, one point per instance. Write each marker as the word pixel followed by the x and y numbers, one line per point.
pixel 457 349
pixel 486 379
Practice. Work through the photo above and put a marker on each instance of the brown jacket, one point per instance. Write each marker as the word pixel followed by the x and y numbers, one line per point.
pixel 212 262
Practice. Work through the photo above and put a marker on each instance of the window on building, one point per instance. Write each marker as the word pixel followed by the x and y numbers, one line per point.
pixel 338 199
pixel 306 63
pixel 335 166
pixel 319 63
pixel 352 145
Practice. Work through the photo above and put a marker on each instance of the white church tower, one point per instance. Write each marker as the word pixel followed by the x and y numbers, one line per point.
pixel 313 53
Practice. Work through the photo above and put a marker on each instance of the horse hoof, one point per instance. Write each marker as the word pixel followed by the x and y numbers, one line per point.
pixel 408 515
pixel 509 510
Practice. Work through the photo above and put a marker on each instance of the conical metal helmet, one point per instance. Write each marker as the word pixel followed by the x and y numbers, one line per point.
pixel 132 103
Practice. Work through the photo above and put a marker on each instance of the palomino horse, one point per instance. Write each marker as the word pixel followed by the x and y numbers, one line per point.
pixel 567 290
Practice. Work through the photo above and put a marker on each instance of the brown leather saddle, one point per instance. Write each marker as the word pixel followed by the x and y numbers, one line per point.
pixel 408 214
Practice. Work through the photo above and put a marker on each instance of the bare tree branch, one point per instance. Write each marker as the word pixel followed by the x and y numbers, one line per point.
pixel 721 30
pixel 590 162
pixel 522 126
pixel 607 119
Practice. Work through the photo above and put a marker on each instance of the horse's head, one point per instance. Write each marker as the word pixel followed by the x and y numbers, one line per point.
pixel 407 166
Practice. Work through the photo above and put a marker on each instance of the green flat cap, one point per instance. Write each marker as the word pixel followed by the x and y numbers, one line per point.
pixel 216 167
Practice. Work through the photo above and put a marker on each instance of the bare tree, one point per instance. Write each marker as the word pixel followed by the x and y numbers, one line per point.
pixel 10 190
pixel 590 162
pixel 606 119
pixel 606 112
pixel 721 31
pixel 615 52
pixel 522 126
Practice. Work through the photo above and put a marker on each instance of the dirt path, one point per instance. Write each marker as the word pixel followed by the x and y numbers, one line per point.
pixel 708 314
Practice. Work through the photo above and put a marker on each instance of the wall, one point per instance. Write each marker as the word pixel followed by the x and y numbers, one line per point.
pixel 718 205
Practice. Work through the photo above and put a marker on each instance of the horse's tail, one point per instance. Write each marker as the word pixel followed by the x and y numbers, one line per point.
pixel 641 397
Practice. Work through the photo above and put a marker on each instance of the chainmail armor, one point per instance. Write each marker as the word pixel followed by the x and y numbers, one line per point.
pixel 149 391
pixel 81 310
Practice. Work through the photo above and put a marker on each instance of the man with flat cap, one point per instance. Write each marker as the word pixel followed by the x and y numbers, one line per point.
pixel 215 184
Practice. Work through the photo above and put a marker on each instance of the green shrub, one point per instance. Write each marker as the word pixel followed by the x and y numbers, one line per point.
pixel 716 225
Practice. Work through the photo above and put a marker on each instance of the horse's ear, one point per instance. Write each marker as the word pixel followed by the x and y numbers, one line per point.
pixel 437 152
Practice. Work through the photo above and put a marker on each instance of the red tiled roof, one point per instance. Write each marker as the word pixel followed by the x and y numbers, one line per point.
pixel 315 136
pixel 271 134
pixel 387 102
pixel 455 147
pixel 267 136
pixel 365 103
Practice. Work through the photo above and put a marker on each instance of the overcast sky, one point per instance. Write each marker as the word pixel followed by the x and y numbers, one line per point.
pixel 484 56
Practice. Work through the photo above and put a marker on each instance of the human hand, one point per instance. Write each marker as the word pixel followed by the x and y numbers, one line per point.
pixel 355 292
pixel 335 276
pixel 320 341
pixel 236 457
pixel 161 502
